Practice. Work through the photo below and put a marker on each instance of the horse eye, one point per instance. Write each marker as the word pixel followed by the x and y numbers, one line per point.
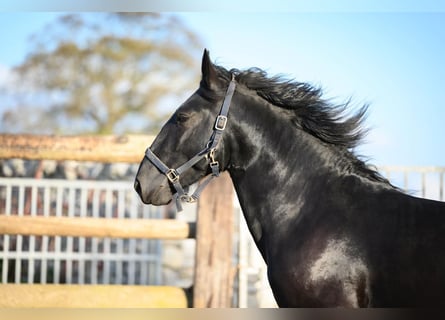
pixel 182 117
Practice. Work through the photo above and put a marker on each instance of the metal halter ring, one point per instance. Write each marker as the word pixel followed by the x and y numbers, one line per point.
pixel 172 175
pixel 220 123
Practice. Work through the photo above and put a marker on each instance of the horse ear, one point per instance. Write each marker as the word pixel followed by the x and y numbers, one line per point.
pixel 209 73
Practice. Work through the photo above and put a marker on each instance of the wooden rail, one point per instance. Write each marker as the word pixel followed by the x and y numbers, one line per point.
pixel 96 227
pixel 128 148
pixel 91 296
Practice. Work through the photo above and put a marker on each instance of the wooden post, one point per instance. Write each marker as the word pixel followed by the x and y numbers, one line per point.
pixel 214 246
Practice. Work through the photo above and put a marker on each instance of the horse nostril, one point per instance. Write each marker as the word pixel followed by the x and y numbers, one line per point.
pixel 137 186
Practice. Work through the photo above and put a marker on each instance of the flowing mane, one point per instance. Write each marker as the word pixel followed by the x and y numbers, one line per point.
pixel 317 116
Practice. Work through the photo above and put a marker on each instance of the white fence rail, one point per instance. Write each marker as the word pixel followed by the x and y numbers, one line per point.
pixel 425 182
pixel 32 259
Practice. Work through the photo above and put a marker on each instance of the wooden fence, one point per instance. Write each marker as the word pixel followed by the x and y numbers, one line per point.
pixel 214 272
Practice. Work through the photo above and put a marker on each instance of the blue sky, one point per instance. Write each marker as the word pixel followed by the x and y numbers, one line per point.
pixel 392 60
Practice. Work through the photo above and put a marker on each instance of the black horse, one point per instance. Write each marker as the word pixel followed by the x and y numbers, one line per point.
pixel 332 230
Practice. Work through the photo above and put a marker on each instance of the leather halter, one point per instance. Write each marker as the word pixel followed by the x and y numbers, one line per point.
pixel 173 175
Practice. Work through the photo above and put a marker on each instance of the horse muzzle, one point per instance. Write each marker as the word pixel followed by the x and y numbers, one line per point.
pixel 159 196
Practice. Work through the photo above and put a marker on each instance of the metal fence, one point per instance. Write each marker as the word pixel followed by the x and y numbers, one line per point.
pixel 32 259
pixel 424 182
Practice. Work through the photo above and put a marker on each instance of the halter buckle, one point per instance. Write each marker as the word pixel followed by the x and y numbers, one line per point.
pixel 220 123
pixel 172 175
pixel 188 199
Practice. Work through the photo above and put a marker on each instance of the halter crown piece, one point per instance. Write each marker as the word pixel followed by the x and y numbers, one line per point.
pixel 173 175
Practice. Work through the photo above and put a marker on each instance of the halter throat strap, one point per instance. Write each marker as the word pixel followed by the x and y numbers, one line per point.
pixel 173 175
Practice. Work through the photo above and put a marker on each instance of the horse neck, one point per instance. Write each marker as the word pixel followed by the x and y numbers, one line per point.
pixel 273 168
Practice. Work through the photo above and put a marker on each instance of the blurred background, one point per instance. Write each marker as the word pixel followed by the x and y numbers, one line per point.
pixel 101 73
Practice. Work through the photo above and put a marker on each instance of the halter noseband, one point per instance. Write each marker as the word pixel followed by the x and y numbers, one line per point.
pixel 173 175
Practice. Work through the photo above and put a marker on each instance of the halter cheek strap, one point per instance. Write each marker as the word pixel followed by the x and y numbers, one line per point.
pixel 173 175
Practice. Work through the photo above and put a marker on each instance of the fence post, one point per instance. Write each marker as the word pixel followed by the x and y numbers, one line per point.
pixel 214 246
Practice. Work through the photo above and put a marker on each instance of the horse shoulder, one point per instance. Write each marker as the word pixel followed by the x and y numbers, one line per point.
pixel 340 265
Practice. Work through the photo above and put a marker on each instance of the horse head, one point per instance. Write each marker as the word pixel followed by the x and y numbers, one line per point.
pixel 190 145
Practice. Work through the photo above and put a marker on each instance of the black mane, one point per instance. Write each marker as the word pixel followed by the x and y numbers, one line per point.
pixel 310 112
